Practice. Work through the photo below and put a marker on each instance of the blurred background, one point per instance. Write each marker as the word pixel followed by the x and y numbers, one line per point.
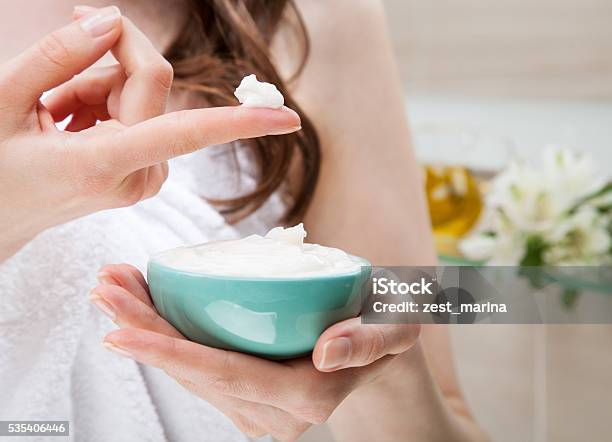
pixel 554 49
pixel 486 81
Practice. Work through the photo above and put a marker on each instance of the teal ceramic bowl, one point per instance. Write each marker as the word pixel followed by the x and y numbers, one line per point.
pixel 277 318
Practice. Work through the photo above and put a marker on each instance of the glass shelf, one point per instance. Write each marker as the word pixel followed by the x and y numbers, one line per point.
pixel 594 279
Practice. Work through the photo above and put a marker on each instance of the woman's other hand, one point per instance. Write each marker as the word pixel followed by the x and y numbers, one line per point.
pixel 261 397
pixel 48 176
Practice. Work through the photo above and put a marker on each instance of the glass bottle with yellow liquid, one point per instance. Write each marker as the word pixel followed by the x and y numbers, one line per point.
pixel 458 163
pixel 455 204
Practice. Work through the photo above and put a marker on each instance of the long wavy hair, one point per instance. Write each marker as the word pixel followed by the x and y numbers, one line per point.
pixel 222 41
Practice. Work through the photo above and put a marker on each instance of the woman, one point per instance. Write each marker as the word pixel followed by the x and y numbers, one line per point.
pixel 376 382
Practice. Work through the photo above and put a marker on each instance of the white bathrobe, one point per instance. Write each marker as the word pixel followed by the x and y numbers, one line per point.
pixel 52 365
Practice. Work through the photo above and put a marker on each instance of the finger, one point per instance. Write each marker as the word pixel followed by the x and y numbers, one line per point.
pixel 189 360
pixel 157 176
pixel 45 118
pixel 138 276
pixel 149 74
pixel 87 117
pixel 353 344
pixel 91 88
pixel 223 372
pixel 178 133
pixel 60 55
pixel 306 393
pixel 127 277
pixel 126 310
pixel 81 120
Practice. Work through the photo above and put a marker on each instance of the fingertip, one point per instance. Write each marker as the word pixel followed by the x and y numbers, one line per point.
pixel 294 122
pixel 284 131
pixel 105 276
pixel 351 344
pixel 110 292
pixel 114 337
pixel 100 23
pixel 102 304
pixel 118 350
pixel 114 273
pixel 293 114
pixel 261 121
pixel 131 338
pixel 47 122
pixel 334 354
pixel 100 288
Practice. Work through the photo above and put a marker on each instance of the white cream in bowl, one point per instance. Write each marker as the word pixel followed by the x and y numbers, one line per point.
pixel 254 93
pixel 281 253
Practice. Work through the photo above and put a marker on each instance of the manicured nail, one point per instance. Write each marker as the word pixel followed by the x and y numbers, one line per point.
pixel 81 10
pixel 105 278
pixel 284 131
pixel 101 21
pixel 336 353
pixel 290 111
pixel 103 306
pixel 118 350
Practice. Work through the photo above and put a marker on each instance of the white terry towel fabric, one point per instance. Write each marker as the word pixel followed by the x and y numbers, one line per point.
pixel 52 365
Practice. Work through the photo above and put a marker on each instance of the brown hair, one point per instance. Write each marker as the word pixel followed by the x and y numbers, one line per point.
pixel 221 42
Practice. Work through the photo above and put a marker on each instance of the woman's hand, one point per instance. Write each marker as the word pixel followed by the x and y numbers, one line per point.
pixel 48 176
pixel 260 396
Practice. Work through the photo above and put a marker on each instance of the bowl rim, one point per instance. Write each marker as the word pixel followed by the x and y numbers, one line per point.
pixel 364 263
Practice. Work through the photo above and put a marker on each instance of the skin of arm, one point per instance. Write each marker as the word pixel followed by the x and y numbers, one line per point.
pixel 369 201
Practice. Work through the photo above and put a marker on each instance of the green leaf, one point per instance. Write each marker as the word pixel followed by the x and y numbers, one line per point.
pixel 533 260
pixel 569 298
pixel 534 252
pixel 610 233
pixel 605 189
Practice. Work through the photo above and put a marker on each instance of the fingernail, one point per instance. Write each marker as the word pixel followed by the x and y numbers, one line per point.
pixel 101 21
pixel 284 130
pixel 105 278
pixel 103 306
pixel 291 111
pixel 336 353
pixel 81 10
pixel 118 350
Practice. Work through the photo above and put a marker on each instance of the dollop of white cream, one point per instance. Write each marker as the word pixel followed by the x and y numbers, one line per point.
pixel 281 253
pixel 254 93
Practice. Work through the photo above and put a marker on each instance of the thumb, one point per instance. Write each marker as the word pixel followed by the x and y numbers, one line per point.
pixel 353 344
pixel 61 55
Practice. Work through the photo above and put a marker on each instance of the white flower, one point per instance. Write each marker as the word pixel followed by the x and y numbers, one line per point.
pixel 533 198
pixel 478 247
pixel 545 203
pixel 569 176
pixel 521 198
pixel 496 250
pixel 582 238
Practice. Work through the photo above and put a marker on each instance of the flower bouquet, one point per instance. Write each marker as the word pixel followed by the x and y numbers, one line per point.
pixel 556 213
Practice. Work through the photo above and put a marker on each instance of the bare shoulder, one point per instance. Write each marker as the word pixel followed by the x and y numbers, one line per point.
pixel 351 61
pixel 340 28
pixel 338 32
pixel 326 15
